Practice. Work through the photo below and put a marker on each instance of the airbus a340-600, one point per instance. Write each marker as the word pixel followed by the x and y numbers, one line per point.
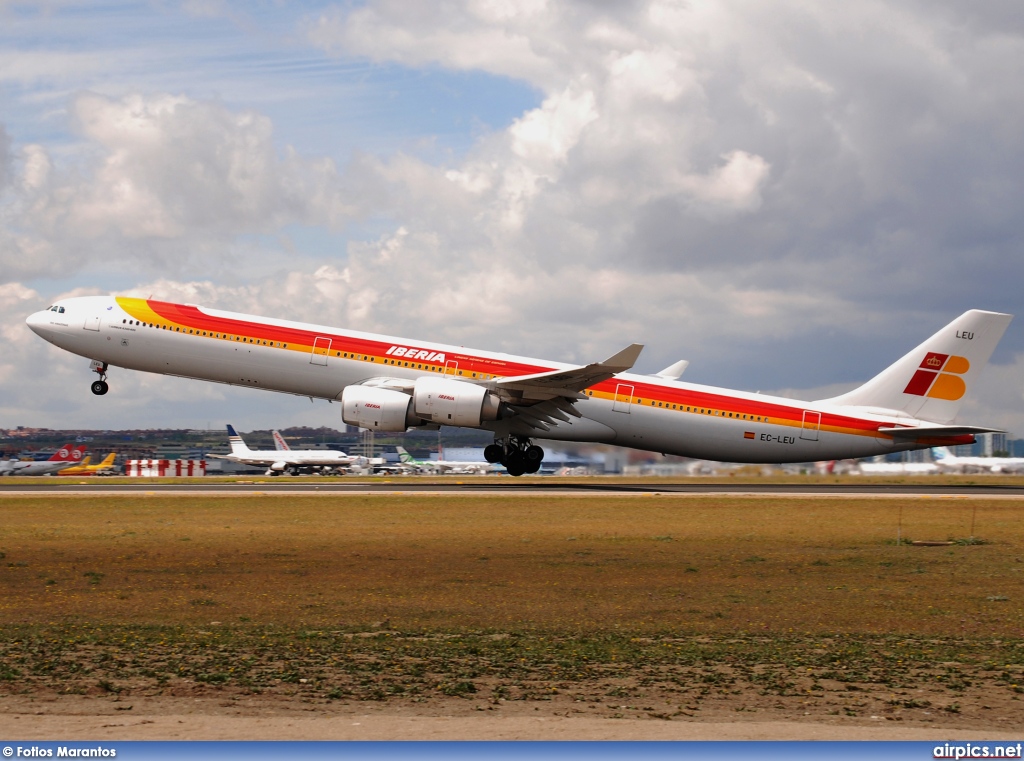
pixel 392 384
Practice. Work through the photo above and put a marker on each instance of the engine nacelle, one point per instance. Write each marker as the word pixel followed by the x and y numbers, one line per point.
pixel 279 466
pixel 379 409
pixel 452 402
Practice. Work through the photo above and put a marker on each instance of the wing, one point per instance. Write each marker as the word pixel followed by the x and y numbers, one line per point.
pixel 569 383
pixel 542 400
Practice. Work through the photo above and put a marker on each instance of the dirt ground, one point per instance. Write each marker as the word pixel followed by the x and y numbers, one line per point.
pixel 225 717
pixel 386 686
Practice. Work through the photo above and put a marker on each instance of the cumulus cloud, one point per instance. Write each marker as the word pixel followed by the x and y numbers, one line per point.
pixel 162 174
pixel 171 164
pixel 768 139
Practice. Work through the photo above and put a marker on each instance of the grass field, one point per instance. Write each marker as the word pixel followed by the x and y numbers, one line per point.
pixel 695 564
pixel 668 600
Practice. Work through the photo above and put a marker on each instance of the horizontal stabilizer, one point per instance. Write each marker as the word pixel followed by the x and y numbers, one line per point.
pixel 936 431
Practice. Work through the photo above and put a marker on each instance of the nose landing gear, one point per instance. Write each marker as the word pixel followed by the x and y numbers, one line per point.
pixel 517 454
pixel 100 387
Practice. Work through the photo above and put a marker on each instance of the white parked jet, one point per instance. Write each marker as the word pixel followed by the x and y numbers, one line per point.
pixel 289 460
pixel 391 384
pixel 896 468
pixel 444 466
pixel 948 462
pixel 65 457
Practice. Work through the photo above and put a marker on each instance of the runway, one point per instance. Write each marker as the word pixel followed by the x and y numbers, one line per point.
pixel 470 487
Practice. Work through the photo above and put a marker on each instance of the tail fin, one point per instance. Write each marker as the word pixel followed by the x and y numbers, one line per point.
pixel 108 461
pixel 930 382
pixel 404 456
pixel 279 443
pixel 68 453
pixel 237 445
pixel 941 453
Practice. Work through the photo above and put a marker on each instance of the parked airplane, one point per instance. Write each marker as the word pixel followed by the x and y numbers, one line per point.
pixel 444 466
pixel 390 384
pixel 948 462
pixel 279 443
pixel 896 468
pixel 279 461
pixel 64 457
pixel 104 468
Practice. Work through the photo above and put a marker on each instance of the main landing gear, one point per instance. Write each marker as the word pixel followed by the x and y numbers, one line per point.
pixel 100 387
pixel 517 454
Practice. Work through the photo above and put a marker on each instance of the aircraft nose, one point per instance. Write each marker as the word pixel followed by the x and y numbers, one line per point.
pixel 36 321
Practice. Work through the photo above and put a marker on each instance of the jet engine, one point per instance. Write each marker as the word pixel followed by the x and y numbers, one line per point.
pixel 452 402
pixel 379 409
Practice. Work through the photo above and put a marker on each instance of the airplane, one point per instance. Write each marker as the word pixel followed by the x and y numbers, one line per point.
pixel 896 468
pixel 279 461
pixel 391 384
pixel 104 468
pixel 946 461
pixel 65 457
pixel 443 466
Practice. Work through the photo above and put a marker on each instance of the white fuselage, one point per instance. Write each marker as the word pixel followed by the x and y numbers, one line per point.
pixel 633 410
pixel 292 457
pixel 30 468
pixel 954 464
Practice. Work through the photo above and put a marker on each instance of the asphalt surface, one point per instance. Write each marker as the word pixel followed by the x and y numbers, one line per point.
pixel 470 486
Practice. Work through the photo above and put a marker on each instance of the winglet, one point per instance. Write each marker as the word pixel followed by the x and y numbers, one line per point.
pixel 624 360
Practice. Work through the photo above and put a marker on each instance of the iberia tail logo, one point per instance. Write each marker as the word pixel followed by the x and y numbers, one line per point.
pixel 939 377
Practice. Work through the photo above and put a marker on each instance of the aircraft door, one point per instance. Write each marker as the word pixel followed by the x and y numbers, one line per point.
pixel 623 398
pixel 811 424
pixel 321 348
pixel 451 367
pixel 92 322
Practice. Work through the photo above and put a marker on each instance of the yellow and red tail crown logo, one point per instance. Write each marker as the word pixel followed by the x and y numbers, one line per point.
pixel 939 377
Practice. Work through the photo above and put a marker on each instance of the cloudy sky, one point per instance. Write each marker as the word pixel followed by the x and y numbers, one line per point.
pixel 790 195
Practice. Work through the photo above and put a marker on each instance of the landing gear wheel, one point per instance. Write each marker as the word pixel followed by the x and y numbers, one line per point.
pixel 99 387
pixel 515 463
pixel 534 454
pixel 493 453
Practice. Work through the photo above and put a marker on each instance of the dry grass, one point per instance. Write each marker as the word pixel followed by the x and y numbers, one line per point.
pixel 638 564
pixel 664 607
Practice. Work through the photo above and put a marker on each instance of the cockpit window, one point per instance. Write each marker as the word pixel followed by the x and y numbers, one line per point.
pixel 60 309
pixel 56 309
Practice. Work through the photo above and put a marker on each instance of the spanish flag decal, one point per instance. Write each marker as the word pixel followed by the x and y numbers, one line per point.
pixel 939 377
